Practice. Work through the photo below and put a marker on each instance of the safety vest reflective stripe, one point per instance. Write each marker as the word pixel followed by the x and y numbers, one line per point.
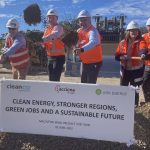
pixel 147 67
pixel 19 54
pixel 93 55
pixel 147 39
pixel 55 47
pixel 133 67
pixel 138 79
pixel 20 62
pixel 122 49
pixel 121 73
pixel 20 58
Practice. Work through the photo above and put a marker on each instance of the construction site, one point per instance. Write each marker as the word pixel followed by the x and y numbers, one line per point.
pixel 111 30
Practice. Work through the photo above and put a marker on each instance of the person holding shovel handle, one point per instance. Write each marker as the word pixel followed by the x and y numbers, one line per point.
pixel 15 50
pixel 89 48
pixel 146 81
pixel 131 47
pixel 54 46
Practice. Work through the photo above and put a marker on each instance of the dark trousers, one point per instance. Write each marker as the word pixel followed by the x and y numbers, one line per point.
pixel 146 86
pixel 134 78
pixel 55 67
pixel 90 72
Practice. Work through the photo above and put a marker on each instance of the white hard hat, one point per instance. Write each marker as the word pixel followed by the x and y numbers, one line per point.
pixel 148 22
pixel 52 12
pixel 132 25
pixel 83 14
pixel 12 23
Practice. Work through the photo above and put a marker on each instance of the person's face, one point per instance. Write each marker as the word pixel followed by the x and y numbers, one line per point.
pixel 148 28
pixel 84 22
pixel 12 31
pixel 134 33
pixel 52 20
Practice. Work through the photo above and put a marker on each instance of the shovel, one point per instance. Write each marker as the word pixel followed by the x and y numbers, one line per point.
pixel 147 57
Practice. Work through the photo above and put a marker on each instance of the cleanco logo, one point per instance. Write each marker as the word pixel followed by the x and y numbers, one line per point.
pixel 59 89
pixel 24 88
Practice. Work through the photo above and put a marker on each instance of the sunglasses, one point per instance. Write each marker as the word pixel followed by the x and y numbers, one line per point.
pixel 11 28
pixel 82 19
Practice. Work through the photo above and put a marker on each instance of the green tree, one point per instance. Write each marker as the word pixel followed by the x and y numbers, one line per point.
pixel 70 25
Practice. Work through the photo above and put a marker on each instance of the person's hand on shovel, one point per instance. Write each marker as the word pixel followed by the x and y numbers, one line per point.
pixel 143 56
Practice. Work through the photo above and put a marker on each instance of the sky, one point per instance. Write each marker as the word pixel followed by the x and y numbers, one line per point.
pixel 69 9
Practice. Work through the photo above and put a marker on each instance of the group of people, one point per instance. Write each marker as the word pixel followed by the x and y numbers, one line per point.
pixel 131 52
pixel 89 47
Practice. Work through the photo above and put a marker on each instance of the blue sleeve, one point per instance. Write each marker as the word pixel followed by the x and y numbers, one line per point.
pixel 19 42
pixel 94 39
pixel 56 33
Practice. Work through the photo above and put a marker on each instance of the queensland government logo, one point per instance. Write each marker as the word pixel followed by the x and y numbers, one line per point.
pixel 23 88
pixel 107 92
pixel 68 90
pixel 98 91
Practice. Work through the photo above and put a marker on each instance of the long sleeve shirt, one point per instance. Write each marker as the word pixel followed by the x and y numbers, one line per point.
pixel 18 41
pixel 57 32
pixel 94 39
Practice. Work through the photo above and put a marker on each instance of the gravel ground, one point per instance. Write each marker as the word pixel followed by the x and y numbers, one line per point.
pixel 12 141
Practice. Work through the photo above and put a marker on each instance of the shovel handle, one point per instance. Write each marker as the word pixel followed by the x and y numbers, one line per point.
pixel 136 58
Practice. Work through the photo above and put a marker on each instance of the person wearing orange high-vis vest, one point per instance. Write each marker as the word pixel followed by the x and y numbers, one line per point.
pixel 15 50
pixel 54 46
pixel 89 48
pixel 146 82
pixel 130 48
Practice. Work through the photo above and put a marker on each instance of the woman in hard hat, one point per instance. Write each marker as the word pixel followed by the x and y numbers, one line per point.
pixel 54 46
pixel 15 50
pixel 146 81
pixel 128 52
pixel 90 49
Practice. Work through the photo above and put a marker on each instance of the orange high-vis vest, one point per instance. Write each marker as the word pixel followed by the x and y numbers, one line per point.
pixel 20 58
pixel 55 47
pixel 147 40
pixel 137 47
pixel 93 55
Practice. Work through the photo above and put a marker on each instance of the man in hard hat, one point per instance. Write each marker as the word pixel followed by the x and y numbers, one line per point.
pixel 54 46
pixel 90 49
pixel 15 50
pixel 130 48
pixel 146 81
